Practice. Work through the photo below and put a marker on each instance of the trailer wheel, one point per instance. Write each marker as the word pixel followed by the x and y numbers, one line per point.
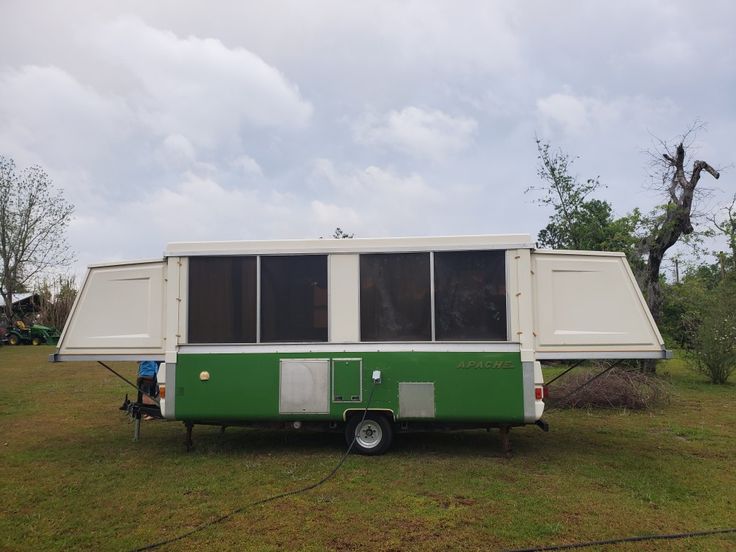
pixel 13 339
pixel 373 435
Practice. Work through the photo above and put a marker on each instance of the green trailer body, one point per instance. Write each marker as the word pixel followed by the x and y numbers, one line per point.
pixel 460 387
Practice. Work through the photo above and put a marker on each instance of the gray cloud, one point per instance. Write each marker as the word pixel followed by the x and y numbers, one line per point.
pixel 179 120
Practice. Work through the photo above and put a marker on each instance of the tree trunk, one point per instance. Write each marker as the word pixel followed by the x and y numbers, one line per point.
pixel 675 222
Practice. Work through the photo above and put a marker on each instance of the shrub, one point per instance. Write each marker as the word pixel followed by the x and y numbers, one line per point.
pixel 713 351
pixel 617 388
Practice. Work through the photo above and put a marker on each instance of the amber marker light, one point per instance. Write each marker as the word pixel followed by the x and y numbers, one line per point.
pixel 162 391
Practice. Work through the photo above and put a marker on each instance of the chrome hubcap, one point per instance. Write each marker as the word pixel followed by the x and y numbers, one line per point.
pixel 368 434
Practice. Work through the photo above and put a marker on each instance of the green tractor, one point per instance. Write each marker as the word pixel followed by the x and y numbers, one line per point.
pixel 21 334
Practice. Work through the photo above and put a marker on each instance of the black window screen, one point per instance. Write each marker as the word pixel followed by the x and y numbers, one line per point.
pixel 222 299
pixel 470 296
pixel 294 298
pixel 395 297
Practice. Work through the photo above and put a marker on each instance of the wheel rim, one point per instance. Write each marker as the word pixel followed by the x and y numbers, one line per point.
pixel 368 434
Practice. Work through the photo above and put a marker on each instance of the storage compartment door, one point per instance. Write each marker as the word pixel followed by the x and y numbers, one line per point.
pixel 347 380
pixel 119 313
pixel 588 305
pixel 304 386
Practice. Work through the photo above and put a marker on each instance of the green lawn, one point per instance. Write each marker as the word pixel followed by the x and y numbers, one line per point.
pixel 71 477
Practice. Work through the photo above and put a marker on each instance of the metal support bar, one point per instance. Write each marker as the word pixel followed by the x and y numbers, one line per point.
pixel 558 376
pixel 591 380
pixel 504 431
pixel 137 428
pixel 133 385
pixel 188 443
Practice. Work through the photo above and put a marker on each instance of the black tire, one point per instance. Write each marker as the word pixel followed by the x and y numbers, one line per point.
pixel 36 341
pixel 13 339
pixel 374 434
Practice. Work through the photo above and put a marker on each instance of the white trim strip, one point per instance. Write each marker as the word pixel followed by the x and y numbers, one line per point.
pixel 357 245
pixel 125 263
pixel 56 357
pixel 610 355
pixel 256 348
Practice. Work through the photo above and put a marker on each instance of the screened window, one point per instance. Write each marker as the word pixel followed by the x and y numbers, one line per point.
pixel 470 296
pixel 222 299
pixel 294 298
pixel 395 302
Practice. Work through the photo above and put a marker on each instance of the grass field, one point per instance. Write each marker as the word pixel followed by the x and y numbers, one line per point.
pixel 71 477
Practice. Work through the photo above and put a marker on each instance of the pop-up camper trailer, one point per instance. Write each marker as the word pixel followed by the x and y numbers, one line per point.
pixel 418 332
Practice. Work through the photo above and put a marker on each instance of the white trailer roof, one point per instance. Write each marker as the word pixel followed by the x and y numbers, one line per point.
pixel 356 245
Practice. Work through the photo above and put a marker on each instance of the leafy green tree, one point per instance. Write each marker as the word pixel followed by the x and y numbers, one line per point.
pixel 725 222
pixel 340 234
pixel 580 221
pixel 683 305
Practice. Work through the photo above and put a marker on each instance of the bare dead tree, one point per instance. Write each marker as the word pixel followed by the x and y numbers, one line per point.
pixel 34 216
pixel 675 220
pixel 56 298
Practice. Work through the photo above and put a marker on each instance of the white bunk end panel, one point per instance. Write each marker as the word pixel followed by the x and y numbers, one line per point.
pixel 119 311
pixel 586 303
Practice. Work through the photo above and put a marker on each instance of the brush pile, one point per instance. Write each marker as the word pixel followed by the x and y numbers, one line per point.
pixel 618 388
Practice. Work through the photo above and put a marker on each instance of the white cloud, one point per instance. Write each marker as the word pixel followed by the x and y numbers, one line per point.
pixel 578 115
pixel 373 200
pixel 177 152
pixel 193 208
pixel 44 110
pixel 330 215
pixel 247 165
pixel 197 87
pixel 423 133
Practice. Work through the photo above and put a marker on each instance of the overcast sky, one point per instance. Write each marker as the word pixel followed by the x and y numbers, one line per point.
pixel 176 121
